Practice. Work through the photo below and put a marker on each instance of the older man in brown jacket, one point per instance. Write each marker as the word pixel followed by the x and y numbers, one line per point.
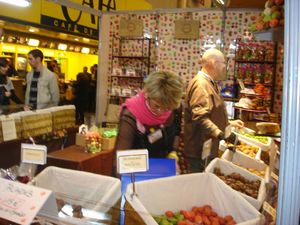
pixel 205 114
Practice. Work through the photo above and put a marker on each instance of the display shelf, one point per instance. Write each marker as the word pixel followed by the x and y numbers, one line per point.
pixel 253 84
pixel 274 34
pixel 254 61
pixel 251 110
pixel 130 64
pixel 124 76
pixel 255 67
pixel 254 95
pixel 130 57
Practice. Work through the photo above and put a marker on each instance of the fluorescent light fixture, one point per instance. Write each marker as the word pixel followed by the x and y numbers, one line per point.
pixel 33 42
pixel 33 29
pixel 85 50
pixel 20 3
pixel 86 39
pixel 62 47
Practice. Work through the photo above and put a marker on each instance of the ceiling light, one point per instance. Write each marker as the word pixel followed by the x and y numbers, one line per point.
pixel 33 29
pixel 20 3
pixel 85 50
pixel 62 47
pixel 33 42
pixel 63 35
pixel 77 49
pixel 76 39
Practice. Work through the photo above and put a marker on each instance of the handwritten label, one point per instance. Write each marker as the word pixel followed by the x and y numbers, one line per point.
pixel 132 161
pixel 19 202
pixel 269 209
pixel 9 129
pixel 36 154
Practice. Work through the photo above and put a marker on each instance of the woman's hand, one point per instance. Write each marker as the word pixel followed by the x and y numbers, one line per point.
pixel 237 123
pixel 7 93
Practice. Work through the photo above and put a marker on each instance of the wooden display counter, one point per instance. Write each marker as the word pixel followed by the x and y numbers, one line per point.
pixel 10 151
pixel 75 157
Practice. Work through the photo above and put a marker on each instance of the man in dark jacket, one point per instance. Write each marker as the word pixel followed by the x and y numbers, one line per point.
pixel 205 113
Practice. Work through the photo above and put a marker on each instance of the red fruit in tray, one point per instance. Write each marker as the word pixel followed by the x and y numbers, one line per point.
pixel 259 26
pixel 274 22
pixel 182 222
pixel 228 218
pixel 279 2
pixel 198 219
pixel 169 213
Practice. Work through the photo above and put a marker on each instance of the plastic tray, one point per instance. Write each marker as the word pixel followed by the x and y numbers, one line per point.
pixel 228 168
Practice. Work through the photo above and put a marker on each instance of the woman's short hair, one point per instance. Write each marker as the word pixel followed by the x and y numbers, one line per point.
pixel 165 87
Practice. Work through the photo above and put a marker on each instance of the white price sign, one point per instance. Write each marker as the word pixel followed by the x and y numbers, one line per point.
pixel 36 154
pixel 20 203
pixel 132 161
pixel 9 129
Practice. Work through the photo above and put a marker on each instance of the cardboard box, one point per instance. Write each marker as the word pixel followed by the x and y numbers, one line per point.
pixel 80 140
pixel 108 143
pixel 176 193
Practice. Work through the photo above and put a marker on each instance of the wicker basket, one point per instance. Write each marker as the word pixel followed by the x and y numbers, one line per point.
pixel 36 123
pixel 63 117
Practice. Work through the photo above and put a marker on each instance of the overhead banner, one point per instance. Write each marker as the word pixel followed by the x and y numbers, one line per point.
pixel 65 19
pixel 70 20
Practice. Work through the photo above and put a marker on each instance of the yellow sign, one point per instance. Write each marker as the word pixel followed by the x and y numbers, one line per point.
pixel 66 19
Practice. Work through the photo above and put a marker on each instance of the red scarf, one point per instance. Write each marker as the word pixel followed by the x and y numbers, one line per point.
pixel 137 106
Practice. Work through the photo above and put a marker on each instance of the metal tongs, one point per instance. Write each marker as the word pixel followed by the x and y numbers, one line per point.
pixel 233 148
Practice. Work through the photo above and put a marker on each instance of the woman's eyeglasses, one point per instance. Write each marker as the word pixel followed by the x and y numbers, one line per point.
pixel 155 106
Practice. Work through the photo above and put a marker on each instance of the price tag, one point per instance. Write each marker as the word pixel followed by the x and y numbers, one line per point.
pixel 269 209
pixel 9 129
pixel 20 203
pixel 132 161
pixel 274 176
pixel 241 83
pixel 36 154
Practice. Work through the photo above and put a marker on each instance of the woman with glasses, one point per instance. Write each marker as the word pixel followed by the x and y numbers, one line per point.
pixel 151 119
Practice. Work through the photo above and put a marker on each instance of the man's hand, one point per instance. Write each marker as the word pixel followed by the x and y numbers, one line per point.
pixel 237 123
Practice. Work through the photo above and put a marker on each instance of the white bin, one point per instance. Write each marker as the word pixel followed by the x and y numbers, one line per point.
pixel 154 197
pixel 228 168
pixel 93 192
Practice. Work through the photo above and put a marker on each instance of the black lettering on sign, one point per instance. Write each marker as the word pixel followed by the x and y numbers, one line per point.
pixel 70 27
pixel 111 5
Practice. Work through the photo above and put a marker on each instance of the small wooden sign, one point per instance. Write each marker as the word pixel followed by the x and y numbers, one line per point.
pixel 132 161
pixel 36 154
pixel 131 28
pixel 187 29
